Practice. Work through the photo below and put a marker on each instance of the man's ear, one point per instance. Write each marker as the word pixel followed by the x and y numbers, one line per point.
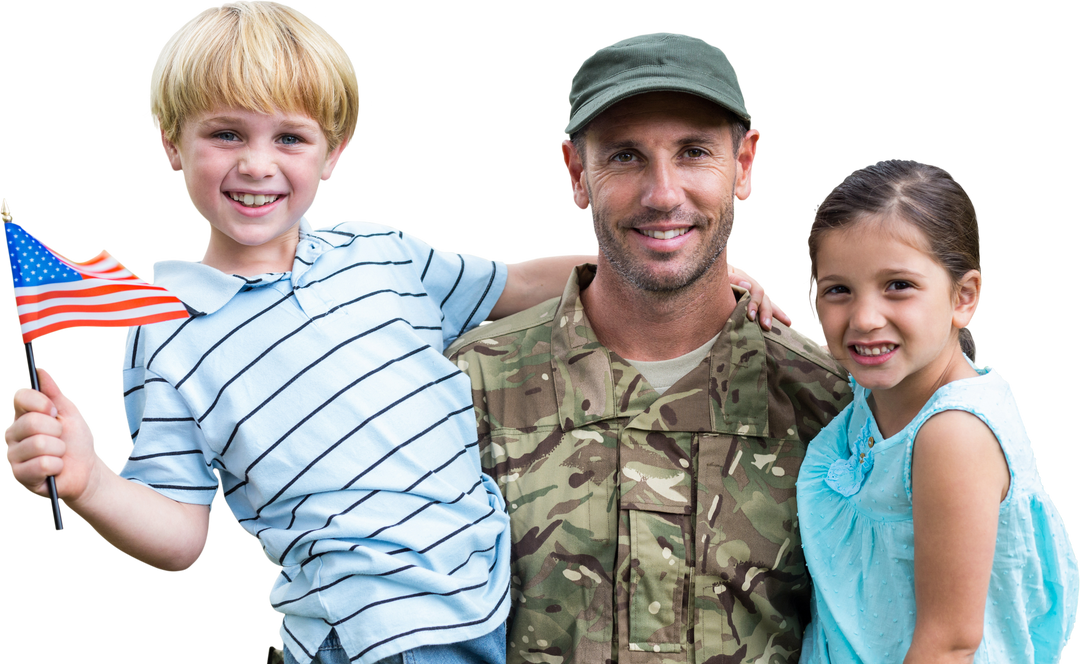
pixel 576 167
pixel 967 298
pixel 744 159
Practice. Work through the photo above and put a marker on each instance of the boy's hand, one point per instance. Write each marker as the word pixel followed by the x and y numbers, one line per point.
pixel 50 438
pixel 760 309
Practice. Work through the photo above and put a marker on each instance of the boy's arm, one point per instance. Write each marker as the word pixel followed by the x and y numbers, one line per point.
pixel 532 282
pixel 50 437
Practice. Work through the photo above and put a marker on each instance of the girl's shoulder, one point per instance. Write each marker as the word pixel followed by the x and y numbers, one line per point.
pixel 986 397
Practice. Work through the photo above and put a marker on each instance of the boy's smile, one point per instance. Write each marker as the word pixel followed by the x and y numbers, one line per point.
pixel 252 175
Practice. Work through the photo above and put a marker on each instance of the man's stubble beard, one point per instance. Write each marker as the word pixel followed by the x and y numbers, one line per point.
pixel 637 274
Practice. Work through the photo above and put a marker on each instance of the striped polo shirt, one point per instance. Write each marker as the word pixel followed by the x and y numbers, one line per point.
pixel 343 439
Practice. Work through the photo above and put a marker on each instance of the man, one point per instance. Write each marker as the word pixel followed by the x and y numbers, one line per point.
pixel 647 436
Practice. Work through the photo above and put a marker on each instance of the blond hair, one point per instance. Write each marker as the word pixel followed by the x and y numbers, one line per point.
pixel 258 56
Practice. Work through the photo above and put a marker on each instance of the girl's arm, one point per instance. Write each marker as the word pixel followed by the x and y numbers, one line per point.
pixel 532 282
pixel 959 477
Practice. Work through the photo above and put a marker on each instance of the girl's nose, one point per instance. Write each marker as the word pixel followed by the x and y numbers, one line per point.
pixel 866 317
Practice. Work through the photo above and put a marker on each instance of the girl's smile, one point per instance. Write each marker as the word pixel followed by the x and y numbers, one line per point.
pixel 890 313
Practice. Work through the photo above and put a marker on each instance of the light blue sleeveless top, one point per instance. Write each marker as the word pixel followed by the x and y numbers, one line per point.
pixel 854 494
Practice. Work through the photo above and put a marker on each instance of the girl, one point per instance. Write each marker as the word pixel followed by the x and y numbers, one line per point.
pixel 925 525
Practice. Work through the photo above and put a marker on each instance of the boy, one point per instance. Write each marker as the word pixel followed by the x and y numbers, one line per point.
pixel 310 374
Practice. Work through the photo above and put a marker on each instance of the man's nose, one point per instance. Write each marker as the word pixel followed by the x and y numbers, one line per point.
pixel 663 187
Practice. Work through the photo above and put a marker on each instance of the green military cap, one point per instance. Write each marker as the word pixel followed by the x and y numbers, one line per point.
pixel 653 63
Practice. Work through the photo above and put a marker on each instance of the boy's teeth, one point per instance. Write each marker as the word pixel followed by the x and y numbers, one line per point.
pixel 253 200
pixel 665 235
pixel 876 350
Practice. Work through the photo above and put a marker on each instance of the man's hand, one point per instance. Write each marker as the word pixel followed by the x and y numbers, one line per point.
pixel 761 308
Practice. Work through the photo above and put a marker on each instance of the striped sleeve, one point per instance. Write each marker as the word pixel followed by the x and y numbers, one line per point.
pixel 465 287
pixel 170 453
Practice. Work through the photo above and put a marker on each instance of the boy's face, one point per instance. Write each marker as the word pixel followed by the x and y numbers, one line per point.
pixel 252 176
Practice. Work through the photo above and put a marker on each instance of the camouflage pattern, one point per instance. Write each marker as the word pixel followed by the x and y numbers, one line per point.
pixel 649 528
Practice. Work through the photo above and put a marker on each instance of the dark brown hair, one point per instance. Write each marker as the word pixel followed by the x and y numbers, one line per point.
pixel 924 196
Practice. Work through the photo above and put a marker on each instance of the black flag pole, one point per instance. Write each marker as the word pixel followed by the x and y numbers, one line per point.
pixel 50 481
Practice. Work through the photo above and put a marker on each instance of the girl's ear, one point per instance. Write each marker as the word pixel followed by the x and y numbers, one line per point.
pixel 967 298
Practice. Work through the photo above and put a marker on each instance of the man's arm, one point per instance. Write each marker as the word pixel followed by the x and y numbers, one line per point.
pixel 532 282
pixel 49 437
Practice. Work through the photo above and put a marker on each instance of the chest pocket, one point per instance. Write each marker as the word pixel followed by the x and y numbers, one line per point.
pixel 559 494
pixel 751 581
pixel 655 500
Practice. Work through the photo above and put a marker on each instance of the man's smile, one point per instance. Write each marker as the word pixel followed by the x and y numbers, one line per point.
pixel 663 235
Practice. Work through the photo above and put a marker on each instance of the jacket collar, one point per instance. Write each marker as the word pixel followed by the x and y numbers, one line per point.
pixel 592 383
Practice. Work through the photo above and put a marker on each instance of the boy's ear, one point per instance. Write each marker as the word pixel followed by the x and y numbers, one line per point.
pixel 172 151
pixel 967 298
pixel 331 160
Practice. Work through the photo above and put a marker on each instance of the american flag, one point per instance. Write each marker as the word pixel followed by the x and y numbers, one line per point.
pixel 53 293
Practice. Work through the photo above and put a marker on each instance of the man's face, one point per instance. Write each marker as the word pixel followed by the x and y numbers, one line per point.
pixel 660 175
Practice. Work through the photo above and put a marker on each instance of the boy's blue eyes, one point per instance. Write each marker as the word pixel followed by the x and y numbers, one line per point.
pixel 287 139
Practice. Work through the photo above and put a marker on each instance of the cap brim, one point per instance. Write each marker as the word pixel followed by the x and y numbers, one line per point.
pixel 609 98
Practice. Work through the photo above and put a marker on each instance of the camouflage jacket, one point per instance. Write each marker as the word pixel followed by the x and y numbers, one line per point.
pixel 649 528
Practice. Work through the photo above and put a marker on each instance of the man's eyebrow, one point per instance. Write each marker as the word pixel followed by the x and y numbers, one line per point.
pixel 704 140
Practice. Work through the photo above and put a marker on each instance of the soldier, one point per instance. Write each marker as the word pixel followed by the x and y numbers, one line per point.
pixel 646 436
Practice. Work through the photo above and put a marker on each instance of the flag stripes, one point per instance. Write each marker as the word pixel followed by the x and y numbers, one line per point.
pixel 53 293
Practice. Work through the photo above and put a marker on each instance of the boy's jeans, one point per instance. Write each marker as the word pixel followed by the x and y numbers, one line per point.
pixel 487 649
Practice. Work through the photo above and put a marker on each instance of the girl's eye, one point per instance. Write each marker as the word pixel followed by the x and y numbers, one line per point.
pixel 836 290
pixel 900 285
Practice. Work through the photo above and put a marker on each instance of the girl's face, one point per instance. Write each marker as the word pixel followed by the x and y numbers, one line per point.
pixel 888 309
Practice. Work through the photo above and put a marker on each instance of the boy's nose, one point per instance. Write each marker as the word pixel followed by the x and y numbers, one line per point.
pixel 257 164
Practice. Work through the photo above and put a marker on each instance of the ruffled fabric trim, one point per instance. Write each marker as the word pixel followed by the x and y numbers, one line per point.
pixel 847 476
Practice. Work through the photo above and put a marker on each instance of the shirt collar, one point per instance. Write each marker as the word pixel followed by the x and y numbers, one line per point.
pixel 731 384
pixel 205 289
